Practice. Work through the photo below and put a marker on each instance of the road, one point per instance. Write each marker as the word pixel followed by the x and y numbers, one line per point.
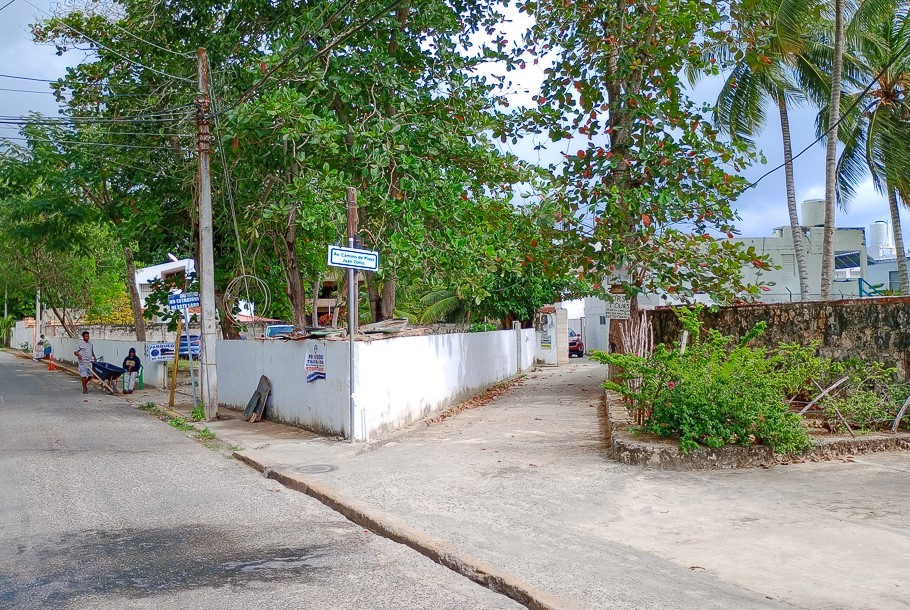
pixel 104 506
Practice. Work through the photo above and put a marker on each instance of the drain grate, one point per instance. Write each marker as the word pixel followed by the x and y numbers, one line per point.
pixel 315 468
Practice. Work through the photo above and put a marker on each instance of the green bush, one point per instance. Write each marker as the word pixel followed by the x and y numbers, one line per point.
pixel 482 327
pixel 719 391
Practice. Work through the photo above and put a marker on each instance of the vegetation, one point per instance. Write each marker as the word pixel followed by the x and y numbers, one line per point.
pixel 720 390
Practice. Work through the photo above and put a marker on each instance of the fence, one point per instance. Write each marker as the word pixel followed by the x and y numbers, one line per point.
pixel 398 380
pixel 872 328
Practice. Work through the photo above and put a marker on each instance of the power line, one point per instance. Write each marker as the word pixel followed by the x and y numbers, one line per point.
pixel 160 116
pixel 152 44
pixel 839 119
pixel 7 4
pixel 84 143
pixel 40 80
pixel 103 46
pixel 125 133
pixel 343 37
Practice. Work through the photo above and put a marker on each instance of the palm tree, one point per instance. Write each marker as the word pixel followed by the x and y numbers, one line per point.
pixel 831 151
pixel 875 133
pixel 778 72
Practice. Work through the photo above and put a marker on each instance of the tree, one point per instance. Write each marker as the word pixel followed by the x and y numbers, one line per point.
pixel 778 64
pixel 834 116
pixel 875 132
pixel 643 196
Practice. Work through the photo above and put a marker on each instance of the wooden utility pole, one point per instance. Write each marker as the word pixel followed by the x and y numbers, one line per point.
pixel 352 301
pixel 208 379
pixel 170 401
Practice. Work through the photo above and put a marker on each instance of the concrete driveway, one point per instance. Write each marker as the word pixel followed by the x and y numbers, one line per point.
pixel 522 484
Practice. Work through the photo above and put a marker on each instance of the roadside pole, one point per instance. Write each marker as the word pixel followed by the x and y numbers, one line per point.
pixel 189 354
pixel 207 372
pixel 170 402
pixel 352 301
pixel 37 316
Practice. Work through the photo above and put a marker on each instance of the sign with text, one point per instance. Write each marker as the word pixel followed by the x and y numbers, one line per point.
pixel 184 300
pixel 619 308
pixel 160 352
pixel 352 258
pixel 315 366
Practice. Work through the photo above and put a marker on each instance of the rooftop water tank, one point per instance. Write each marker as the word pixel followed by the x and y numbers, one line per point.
pixel 880 242
pixel 813 212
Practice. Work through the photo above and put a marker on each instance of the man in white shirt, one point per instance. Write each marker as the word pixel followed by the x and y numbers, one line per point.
pixel 85 353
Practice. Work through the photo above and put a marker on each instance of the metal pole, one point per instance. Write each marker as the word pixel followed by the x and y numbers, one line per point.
pixel 189 349
pixel 37 315
pixel 170 402
pixel 207 373
pixel 352 301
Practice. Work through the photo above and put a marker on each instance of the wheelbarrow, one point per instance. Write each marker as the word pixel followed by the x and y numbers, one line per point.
pixel 105 373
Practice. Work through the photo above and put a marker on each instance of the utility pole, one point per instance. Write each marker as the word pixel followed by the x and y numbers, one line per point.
pixel 37 314
pixel 208 379
pixel 352 300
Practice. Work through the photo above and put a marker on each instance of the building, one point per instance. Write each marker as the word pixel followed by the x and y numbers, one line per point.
pixel 171 268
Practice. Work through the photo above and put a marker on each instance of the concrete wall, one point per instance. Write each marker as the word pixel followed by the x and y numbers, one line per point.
pixel 398 380
pixel 871 328
pixel 321 405
pixel 154 374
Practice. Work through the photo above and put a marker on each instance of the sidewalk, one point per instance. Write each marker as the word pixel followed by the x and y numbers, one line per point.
pixel 517 494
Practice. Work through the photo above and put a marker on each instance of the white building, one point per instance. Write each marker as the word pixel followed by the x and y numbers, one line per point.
pixel 164 270
pixel 856 263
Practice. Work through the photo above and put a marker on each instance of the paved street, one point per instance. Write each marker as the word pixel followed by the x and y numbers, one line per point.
pixel 105 507
pixel 522 484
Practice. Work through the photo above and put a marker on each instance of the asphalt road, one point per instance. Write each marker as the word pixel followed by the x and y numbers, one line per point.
pixel 103 506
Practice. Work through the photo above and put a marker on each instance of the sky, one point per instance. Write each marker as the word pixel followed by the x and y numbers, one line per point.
pixel 761 209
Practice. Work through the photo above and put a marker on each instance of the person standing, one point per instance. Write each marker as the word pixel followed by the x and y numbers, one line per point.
pixel 131 366
pixel 85 353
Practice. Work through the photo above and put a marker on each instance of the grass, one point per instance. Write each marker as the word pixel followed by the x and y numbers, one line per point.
pixel 205 434
pixel 180 423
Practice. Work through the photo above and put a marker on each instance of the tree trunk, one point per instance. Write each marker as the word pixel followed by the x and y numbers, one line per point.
pixel 796 230
pixel 226 319
pixel 316 286
pixel 374 296
pixel 831 153
pixel 898 241
pixel 67 327
pixel 387 302
pixel 135 300
pixel 295 287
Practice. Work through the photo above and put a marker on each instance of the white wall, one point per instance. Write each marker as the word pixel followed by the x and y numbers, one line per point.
pixel 321 405
pixel 154 374
pixel 402 380
pixel 398 380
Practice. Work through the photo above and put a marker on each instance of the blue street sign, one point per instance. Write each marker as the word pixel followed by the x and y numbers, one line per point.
pixel 185 300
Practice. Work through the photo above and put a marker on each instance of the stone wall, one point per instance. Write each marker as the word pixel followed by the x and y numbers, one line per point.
pixel 870 328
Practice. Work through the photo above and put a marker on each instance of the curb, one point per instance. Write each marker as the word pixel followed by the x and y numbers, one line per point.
pixel 625 448
pixel 430 547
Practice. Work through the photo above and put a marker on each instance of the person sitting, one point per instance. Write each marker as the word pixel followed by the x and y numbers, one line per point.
pixel 131 366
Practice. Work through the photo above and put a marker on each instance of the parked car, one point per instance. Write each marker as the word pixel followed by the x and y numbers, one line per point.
pixel 273 330
pixel 189 345
pixel 576 347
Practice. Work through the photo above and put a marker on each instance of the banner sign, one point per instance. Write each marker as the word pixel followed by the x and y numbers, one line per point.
pixel 160 352
pixel 315 366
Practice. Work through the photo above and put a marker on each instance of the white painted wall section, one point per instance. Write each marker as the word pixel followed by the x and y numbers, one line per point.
pixel 154 374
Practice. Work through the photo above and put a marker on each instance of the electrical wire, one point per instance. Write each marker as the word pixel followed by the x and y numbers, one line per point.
pixel 7 4
pixel 83 143
pixel 842 116
pixel 152 44
pixel 39 80
pixel 126 133
pixel 343 37
pixel 160 116
pixel 117 53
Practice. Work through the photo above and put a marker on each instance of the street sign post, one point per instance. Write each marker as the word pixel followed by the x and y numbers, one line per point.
pixel 184 302
pixel 352 258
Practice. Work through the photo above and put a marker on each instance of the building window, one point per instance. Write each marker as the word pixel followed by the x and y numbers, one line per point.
pixel 788 263
pixel 894 281
pixel 603 320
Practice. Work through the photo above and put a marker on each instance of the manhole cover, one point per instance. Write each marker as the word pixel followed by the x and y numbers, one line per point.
pixel 315 468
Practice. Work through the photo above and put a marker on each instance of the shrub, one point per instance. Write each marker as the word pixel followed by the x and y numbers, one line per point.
pixel 482 327
pixel 720 391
